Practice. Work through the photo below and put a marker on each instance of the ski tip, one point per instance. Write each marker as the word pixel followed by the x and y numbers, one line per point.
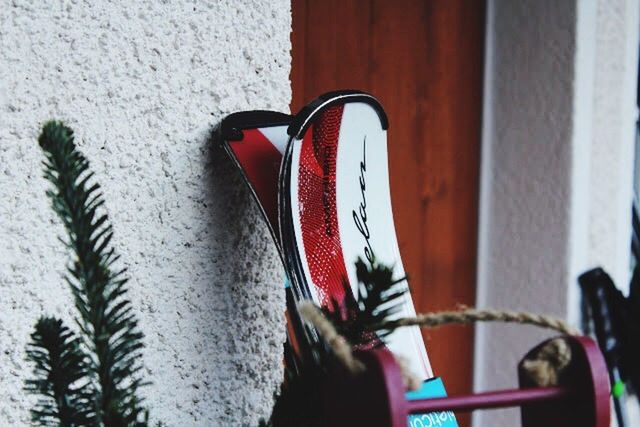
pixel 304 118
pixel 231 127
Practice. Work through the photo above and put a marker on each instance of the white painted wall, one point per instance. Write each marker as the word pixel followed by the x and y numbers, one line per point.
pixel 526 181
pixel 612 151
pixel 143 84
pixel 556 166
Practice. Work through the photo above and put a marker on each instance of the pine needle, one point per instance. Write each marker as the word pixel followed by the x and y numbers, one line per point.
pixel 60 376
pixel 378 297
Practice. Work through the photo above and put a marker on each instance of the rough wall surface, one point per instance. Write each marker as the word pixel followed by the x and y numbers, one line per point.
pixel 143 84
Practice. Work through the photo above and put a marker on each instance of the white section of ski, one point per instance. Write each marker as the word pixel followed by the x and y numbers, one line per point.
pixel 277 135
pixel 365 217
pixel 344 98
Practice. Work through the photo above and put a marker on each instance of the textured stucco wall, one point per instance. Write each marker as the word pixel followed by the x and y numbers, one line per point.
pixel 143 83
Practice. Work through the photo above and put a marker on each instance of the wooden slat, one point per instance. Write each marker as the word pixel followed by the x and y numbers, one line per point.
pixel 423 60
pixel 298 43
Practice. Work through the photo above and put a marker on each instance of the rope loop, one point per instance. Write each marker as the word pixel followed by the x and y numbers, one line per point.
pixel 543 370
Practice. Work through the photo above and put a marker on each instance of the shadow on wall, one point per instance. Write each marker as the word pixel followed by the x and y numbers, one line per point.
pixel 251 284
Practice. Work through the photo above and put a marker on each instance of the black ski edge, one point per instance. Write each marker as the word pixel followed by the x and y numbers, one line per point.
pixel 301 121
pixel 231 127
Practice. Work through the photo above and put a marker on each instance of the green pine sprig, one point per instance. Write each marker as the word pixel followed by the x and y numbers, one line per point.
pixel 61 374
pixel 109 327
pixel 378 297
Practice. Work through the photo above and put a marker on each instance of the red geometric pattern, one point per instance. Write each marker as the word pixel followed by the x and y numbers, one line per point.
pixel 318 212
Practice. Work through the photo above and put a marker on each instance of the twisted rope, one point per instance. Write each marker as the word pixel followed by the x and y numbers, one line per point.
pixel 432 320
pixel 338 344
pixel 544 369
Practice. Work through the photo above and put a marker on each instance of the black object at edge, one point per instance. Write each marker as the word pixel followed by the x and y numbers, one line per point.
pixel 612 320
pixel 302 120
pixel 231 127
pixel 607 306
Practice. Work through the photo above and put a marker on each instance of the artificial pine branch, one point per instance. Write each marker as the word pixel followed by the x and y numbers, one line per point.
pixel 378 297
pixel 106 317
pixel 61 374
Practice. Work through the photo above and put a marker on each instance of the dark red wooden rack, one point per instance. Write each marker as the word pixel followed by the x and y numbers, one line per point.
pixel 377 398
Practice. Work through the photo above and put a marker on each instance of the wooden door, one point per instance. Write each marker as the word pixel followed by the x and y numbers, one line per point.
pixel 423 59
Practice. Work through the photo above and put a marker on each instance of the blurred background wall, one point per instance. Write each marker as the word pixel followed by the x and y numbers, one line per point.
pixel 557 167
